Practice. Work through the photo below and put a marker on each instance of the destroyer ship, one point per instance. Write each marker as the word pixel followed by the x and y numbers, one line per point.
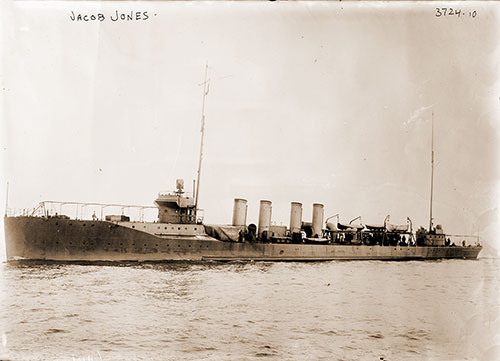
pixel 180 234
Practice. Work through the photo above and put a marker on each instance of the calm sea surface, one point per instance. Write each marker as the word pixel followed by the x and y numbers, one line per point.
pixel 440 310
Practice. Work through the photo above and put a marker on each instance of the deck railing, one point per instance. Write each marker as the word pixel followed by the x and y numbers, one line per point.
pixel 82 210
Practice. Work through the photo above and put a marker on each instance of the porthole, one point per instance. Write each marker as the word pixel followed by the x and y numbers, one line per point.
pixel 185 228
pixel 133 226
pixel 109 244
pixel 144 244
pixel 157 245
pixel 71 224
pixel 189 246
pixel 83 224
pixel 158 227
pixel 178 245
pixel 92 224
pixel 178 228
pixel 57 224
pixel 195 228
pixel 121 244
pixel 144 226
pixel 165 227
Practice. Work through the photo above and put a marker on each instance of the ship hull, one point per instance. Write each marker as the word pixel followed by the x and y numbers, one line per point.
pixel 76 240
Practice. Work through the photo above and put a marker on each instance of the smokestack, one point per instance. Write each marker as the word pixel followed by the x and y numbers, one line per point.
pixel 317 221
pixel 239 212
pixel 264 216
pixel 295 217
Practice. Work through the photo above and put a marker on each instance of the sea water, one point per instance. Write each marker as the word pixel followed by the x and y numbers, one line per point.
pixel 359 310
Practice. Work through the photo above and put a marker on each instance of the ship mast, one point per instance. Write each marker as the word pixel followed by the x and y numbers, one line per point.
pixel 432 172
pixel 206 86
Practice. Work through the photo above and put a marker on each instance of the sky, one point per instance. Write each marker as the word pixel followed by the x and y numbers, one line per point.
pixel 327 102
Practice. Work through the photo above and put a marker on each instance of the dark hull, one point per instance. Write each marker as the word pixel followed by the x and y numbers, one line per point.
pixel 55 239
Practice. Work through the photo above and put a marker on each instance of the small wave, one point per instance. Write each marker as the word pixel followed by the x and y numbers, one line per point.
pixel 416 335
pixel 265 354
pixel 315 330
pixel 201 349
pixel 55 330
pixel 376 335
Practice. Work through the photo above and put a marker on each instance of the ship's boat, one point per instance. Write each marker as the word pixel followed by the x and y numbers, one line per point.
pixel 375 227
pixel 350 227
pixel 331 227
pixel 397 228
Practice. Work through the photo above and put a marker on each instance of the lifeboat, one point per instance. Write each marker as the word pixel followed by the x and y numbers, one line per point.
pixel 397 228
